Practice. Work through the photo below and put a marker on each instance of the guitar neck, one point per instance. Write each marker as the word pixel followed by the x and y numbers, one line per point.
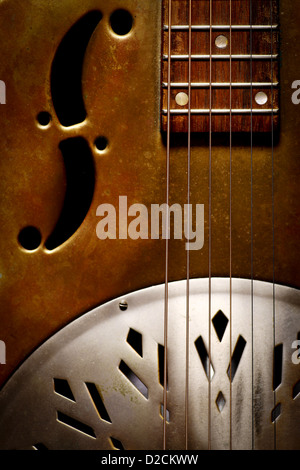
pixel 220 64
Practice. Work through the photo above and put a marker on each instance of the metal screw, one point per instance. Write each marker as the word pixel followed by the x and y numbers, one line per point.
pixel 123 305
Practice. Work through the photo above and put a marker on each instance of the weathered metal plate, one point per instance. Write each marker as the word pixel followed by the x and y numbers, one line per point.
pixel 51 400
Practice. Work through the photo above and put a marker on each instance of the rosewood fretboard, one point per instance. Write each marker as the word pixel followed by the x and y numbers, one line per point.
pixel 232 48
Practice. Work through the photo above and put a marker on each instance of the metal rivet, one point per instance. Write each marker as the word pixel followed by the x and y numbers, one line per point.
pixel 182 99
pixel 261 98
pixel 123 305
pixel 221 42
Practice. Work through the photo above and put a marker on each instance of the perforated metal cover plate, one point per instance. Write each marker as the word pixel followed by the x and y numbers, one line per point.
pixel 97 384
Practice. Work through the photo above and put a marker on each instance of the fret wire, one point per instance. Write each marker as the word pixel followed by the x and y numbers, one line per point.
pixel 221 56
pixel 223 111
pixel 221 27
pixel 221 84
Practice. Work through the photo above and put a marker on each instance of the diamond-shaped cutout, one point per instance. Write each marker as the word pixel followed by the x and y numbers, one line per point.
pixel 62 387
pixel 220 401
pixel 203 354
pixel 135 340
pixel 296 389
pixel 220 322
pixel 236 357
pixel 276 412
pixel 167 413
pixel 116 444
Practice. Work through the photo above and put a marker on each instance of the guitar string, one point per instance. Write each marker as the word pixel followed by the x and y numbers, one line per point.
pixel 166 296
pixel 230 225
pixel 273 204
pixel 209 222
pixel 251 218
pixel 210 180
pixel 188 227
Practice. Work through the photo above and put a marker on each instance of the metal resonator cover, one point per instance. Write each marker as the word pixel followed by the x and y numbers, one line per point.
pixel 97 383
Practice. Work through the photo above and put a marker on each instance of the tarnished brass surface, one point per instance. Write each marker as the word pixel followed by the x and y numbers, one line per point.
pixel 41 291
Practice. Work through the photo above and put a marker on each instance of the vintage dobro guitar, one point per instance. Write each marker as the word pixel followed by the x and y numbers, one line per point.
pixel 114 335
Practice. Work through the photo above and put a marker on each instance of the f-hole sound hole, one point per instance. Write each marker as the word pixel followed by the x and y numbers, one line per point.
pixel 121 22
pixel 30 238
pixel 101 143
pixel 80 175
pixel 66 73
pixel 44 118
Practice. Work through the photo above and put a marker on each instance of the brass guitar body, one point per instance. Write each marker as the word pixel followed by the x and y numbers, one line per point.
pixel 44 290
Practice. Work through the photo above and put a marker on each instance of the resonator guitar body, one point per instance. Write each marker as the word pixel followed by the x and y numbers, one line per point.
pixel 122 325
